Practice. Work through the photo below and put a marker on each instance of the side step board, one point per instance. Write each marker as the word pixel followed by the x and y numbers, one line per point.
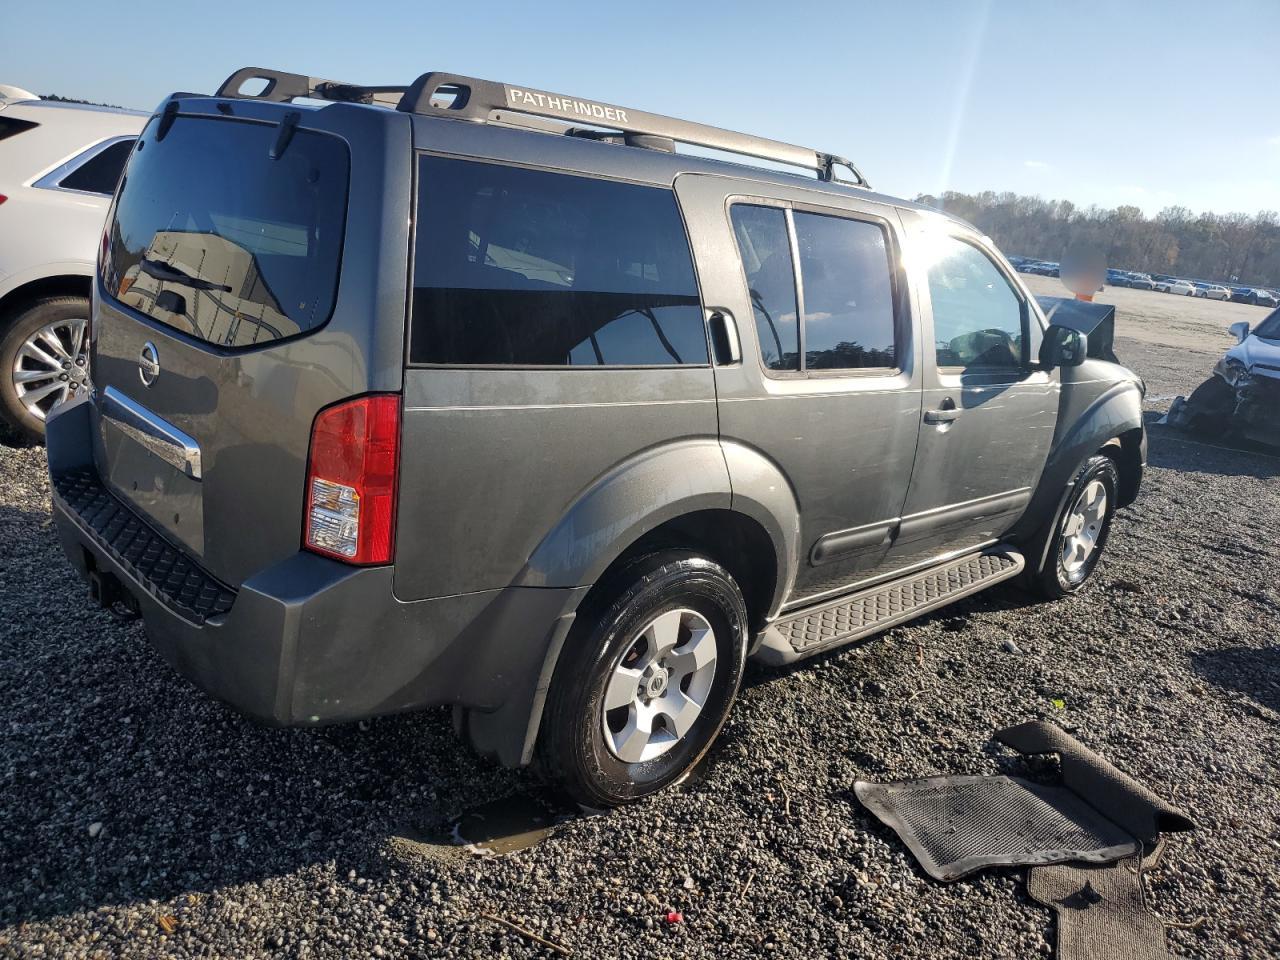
pixel 854 616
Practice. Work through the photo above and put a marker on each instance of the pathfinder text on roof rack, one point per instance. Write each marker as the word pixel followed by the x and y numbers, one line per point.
pixel 566 105
pixel 468 98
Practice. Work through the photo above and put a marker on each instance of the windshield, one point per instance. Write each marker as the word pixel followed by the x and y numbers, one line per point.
pixel 1269 329
pixel 214 238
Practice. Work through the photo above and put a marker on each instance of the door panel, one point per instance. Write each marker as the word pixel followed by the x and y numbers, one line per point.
pixel 844 439
pixel 989 415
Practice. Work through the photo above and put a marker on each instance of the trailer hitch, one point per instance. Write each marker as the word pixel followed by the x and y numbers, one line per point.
pixel 106 591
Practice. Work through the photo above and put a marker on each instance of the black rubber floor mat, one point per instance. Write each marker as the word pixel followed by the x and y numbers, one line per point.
pixel 956 825
pixel 1101 909
pixel 1119 797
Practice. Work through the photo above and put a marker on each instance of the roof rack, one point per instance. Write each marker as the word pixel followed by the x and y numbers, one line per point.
pixel 284 87
pixel 467 98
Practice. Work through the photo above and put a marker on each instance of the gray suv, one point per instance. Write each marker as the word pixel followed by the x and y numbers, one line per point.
pixel 472 394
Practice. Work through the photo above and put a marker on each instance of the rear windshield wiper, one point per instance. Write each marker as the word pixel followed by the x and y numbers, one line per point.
pixel 163 271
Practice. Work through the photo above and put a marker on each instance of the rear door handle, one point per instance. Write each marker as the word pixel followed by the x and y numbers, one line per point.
pixel 724 337
pixel 946 413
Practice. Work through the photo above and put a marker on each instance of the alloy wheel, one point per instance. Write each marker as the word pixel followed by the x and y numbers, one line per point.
pixel 52 366
pixel 1083 526
pixel 659 686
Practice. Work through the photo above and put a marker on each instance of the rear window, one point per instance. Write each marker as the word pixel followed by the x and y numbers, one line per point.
pixel 528 268
pixel 217 240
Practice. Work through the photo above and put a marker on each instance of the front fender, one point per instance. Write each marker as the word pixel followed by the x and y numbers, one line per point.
pixel 621 506
pixel 1088 418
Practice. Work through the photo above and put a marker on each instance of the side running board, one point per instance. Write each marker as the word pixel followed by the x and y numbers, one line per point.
pixel 857 615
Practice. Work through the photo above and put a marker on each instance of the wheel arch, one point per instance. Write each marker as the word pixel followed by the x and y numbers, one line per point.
pixel 18 298
pixel 696 493
pixel 675 496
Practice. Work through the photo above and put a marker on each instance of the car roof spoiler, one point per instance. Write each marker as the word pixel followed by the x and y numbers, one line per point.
pixel 467 98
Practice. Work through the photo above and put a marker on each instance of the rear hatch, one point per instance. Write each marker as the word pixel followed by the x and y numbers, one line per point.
pixel 250 277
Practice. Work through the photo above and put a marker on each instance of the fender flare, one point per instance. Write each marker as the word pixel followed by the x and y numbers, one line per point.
pixel 1115 411
pixel 619 508
pixel 762 492
pixel 623 504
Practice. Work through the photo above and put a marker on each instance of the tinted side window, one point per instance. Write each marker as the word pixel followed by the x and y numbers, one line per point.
pixel 524 267
pixel 765 249
pixel 100 173
pixel 978 319
pixel 848 293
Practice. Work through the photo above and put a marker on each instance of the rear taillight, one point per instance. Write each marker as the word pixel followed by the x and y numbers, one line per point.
pixel 3 198
pixel 351 480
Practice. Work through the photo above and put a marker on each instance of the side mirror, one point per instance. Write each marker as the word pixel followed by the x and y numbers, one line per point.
pixel 1240 330
pixel 1063 347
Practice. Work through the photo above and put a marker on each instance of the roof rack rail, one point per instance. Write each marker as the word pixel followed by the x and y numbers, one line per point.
pixel 284 87
pixel 467 98
pixel 447 94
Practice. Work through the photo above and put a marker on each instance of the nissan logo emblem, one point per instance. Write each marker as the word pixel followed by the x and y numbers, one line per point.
pixel 148 364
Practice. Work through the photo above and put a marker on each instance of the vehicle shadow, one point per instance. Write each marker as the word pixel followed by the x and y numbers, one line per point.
pixel 10 437
pixel 1175 450
pixel 120 782
pixel 1248 670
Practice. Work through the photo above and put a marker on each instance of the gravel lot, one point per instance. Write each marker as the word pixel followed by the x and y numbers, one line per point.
pixel 138 818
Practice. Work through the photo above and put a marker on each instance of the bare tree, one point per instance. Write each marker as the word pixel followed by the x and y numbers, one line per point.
pixel 1224 248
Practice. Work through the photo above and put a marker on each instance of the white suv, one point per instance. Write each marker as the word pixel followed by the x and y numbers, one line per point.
pixel 59 164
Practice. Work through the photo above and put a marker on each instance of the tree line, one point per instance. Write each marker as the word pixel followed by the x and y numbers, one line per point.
pixel 1218 247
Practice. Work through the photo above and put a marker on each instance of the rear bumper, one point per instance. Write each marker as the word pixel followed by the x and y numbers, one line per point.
pixel 310 640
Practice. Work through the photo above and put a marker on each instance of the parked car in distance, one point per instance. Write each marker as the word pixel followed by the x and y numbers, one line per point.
pixel 568 445
pixel 1214 291
pixel 59 164
pixel 1183 288
pixel 1117 278
pixel 1256 296
pixel 1141 281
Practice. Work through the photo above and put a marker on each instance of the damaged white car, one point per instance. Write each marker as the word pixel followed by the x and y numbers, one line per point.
pixel 1242 398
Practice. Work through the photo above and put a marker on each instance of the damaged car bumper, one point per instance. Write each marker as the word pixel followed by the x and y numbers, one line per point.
pixel 1257 394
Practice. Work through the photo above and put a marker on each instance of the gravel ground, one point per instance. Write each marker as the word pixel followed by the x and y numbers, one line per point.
pixel 138 818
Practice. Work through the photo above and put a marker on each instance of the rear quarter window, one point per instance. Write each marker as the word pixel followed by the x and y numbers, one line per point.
pixel 101 172
pixel 529 268
pixel 214 238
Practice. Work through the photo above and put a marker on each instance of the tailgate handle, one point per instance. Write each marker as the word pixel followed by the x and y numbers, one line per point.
pixel 159 436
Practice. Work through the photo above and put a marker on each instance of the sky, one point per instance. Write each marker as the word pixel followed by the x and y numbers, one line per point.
pixel 1108 103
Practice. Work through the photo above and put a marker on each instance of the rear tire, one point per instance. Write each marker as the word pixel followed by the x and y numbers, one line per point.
pixel 645 681
pixel 44 360
pixel 1079 533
